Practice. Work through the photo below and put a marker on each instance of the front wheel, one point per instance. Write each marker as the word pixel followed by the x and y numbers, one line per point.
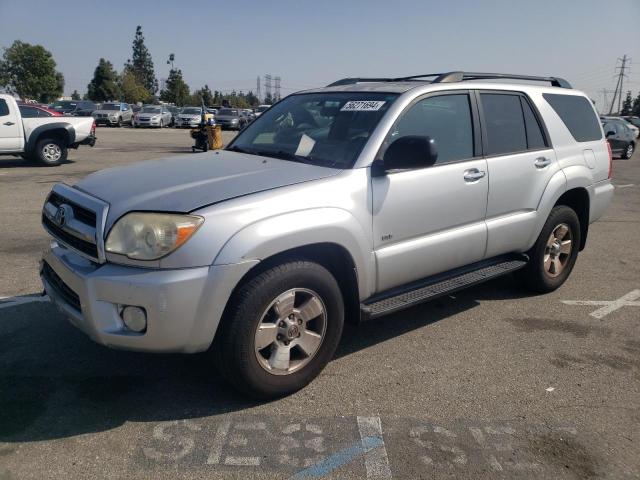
pixel 280 330
pixel 628 152
pixel 51 151
pixel 555 252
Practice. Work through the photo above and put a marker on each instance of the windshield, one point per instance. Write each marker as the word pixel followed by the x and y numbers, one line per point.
pixel 63 104
pixel 111 106
pixel 262 109
pixel 328 129
pixel 151 110
pixel 192 111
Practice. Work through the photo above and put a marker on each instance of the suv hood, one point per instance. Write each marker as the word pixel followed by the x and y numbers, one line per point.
pixel 186 183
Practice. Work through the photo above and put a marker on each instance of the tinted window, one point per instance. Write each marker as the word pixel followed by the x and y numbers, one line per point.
pixel 535 137
pixel 28 112
pixel 504 123
pixel 577 114
pixel 4 109
pixel 610 127
pixel 446 119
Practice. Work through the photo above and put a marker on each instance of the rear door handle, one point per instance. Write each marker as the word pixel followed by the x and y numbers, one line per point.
pixel 542 162
pixel 473 175
pixel 8 124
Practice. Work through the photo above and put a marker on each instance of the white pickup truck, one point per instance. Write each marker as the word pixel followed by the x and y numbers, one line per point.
pixel 45 139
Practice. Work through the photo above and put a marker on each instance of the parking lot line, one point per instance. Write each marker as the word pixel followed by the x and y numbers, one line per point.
pixel 608 307
pixel 375 459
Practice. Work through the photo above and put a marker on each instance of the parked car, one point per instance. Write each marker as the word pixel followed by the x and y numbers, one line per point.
pixel 41 138
pixel 635 124
pixel 248 113
pixel 351 201
pixel 114 114
pixel 620 137
pixel 190 117
pixel 35 111
pixel 77 108
pixel 152 116
pixel 261 109
pixel 231 119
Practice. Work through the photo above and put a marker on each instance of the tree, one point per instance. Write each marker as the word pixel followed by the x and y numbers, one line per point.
pixel 268 99
pixel 141 63
pixel 30 71
pixel 75 95
pixel 176 91
pixel 104 85
pixel 132 91
pixel 626 105
pixel 636 106
pixel 203 95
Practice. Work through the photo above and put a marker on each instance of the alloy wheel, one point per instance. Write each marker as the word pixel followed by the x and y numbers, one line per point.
pixel 52 152
pixel 558 250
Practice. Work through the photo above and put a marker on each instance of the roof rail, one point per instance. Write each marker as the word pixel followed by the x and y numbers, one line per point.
pixel 451 77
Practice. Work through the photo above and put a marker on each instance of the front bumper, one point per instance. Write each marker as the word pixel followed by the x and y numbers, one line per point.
pixel 183 306
pixel 147 123
pixel 106 121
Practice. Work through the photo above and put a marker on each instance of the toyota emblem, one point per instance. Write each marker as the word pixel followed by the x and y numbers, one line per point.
pixel 63 214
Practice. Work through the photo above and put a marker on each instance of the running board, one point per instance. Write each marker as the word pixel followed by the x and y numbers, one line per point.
pixel 439 285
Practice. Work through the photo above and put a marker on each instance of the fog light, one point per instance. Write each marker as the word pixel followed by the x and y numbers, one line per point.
pixel 135 318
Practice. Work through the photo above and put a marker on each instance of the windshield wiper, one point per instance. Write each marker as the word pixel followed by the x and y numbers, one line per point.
pixel 241 150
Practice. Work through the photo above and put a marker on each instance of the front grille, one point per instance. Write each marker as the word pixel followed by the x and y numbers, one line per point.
pixel 85 247
pixel 82 214
pixel 60 287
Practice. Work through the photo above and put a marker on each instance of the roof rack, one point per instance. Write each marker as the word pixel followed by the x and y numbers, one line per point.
pixel 451 77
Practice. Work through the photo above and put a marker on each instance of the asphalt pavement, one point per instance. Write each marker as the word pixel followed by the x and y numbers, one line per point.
pixel 491 382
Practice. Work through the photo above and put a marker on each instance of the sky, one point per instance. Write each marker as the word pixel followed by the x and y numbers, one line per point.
pixel 227 44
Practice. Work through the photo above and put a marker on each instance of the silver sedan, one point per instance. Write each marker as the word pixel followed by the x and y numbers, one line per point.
pixel 152 116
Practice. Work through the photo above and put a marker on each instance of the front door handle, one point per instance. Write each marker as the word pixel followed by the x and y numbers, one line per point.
pixel 473 175
pixel 8 124
pixel 542 162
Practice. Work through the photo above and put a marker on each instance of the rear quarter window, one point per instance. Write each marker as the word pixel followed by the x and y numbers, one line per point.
pixel 4 108
pixel 577 114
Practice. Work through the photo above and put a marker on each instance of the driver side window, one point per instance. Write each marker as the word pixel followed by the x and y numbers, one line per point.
pixel 445 119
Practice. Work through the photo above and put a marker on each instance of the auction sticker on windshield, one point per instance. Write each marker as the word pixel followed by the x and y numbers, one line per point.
pixel 362 106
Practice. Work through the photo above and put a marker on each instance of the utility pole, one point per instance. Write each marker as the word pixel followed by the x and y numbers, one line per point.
pixel 258 93
pixel 605 100
pixel 277 94
pixel 267 86
pixel 619 83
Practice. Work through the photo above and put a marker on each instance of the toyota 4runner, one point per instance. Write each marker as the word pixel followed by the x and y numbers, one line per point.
pixel 351 201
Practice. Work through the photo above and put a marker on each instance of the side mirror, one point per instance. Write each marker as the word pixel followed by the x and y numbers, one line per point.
pixel 610 133
pixel 410 152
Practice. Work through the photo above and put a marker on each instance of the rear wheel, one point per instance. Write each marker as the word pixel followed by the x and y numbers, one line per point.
pixel 281 329
pixel 628 152
pixel 555 252
pixel 51 151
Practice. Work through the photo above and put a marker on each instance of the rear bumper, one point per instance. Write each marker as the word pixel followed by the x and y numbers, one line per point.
pixel 183 306
pixel 90 140
pixel 600 194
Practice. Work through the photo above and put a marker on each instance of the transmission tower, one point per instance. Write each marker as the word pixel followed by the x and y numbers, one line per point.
pixel 621 77
pixel 267 86
pixel 258 93
pixel 277 94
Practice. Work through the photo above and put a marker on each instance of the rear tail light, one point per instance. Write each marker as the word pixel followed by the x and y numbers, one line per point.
pixel 610 160
pixel 93 128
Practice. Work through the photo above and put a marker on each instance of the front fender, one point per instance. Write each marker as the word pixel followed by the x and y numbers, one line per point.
pixel 278 234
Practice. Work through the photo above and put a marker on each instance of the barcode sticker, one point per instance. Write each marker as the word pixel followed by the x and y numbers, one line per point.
pixel 362 106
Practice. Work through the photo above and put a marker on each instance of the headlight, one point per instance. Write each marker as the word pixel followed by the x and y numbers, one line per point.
pixel 150 236
pixel 235 120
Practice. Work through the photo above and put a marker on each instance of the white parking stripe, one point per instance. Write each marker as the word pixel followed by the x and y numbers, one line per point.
pixel 608 307
pixel 375 459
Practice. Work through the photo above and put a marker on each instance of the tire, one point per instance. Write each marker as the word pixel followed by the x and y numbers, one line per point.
pixel 549 263
pixel 161 123
pixel 259 373
pixel 119 124
pixel 628 152
pixel 51 151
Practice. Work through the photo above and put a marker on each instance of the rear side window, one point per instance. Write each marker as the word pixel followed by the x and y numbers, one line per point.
pixel 504 123
pixel 535 137
pixel 4 108
pixel 577 114
pixel 28 112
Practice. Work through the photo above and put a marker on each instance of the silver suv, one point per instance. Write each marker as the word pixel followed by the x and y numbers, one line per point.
pixel 346 202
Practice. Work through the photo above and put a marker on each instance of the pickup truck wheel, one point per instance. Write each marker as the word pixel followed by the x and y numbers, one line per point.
pixel 555 252
pixel 51 151
pixel 280 330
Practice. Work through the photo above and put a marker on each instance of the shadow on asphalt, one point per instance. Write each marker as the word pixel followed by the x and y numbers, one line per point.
pixel 56 383
pixel 13 162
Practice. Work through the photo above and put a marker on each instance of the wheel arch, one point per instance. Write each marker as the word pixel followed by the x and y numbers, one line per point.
pixel 578 200
pixel 63 131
